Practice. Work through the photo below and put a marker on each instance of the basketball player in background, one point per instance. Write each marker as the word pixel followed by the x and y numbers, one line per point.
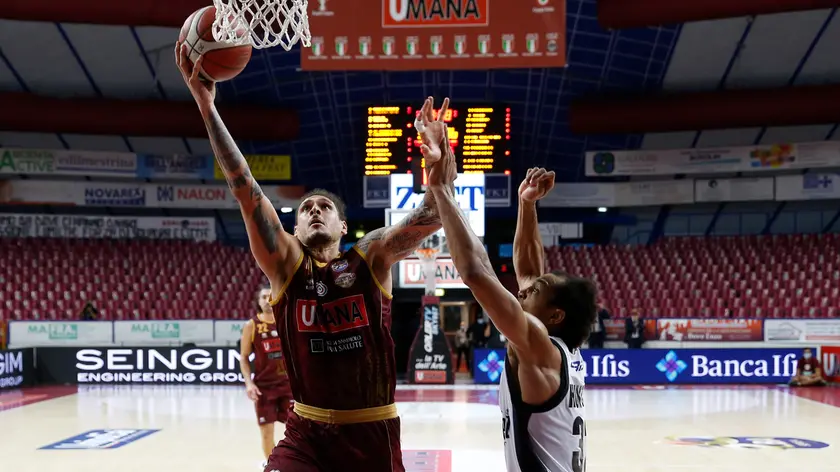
pixel 541 389
pixel 333 310
pixel 269 389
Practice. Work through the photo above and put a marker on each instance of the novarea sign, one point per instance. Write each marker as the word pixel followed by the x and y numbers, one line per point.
pixel 689 366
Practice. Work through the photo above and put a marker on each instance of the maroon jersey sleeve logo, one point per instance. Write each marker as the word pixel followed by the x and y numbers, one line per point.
pixel 333 317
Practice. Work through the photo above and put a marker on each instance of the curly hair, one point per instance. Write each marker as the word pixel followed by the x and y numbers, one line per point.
pixel 576 296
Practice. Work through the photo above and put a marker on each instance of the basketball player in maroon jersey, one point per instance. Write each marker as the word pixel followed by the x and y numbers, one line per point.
pixel 333 310
pixel 269 389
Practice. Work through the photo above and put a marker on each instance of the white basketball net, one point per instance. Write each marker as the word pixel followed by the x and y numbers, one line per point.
pixel 270 22
pixel 427 253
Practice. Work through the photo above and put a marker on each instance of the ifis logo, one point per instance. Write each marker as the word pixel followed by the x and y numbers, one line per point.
pixel 364 46
pixel 460 45
pixel 507 43
pixel 484 45
pixel 318 46
pixel 411 45
pixel 388 45
pixel 532 43
pixel 436 43
pixel 341 46
pixel 830 364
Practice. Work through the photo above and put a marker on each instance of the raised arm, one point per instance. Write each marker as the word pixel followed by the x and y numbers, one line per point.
pixel 275 250
pixel 528 336
pixel 386 246
pixel 528 251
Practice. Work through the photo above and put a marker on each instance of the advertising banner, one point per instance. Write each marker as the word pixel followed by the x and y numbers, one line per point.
pixel 228 332
pixel 615 329
pixel 727 330
pixel 734 190
pixel 430 359
pixel 430 34
pixel 412 274
pixel 622 194
pixel 106 227
pixel 488 365
pixel 65 162
pixel 377 188
pixel 469 189
pixel 139 365
pixel 808 187
pixel 802 330
pixel 17 369
pixel 217 197
pixel 263 167
pixel 175 167
pixel 59 333
pixel 690 366
pixel 41 192
pixel 772 157
pixel 830 357
pixel 162 332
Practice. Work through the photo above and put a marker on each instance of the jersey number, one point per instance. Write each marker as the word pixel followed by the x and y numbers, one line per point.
pixel 262 328
pixel 579 456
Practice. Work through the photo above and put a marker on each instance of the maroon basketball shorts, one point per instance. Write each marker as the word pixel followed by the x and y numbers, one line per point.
pixel 274 404
pixel 325 446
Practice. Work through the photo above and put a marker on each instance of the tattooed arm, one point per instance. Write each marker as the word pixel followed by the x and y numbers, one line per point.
pixel 275 250
pixel 385 247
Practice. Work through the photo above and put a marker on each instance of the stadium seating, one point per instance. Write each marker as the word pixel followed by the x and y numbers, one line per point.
pixel 779 276
pixel 52 279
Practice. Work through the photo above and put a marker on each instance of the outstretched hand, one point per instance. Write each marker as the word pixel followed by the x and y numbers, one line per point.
pixel 203 91
pixel 443 172
pixel 432 131
pixel 538 182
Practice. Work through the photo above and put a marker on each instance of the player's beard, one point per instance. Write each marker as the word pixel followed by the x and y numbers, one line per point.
pixel 318 239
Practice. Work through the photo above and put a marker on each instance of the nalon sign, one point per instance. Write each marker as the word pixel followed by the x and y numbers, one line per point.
pixel 469 192
pixel 412 274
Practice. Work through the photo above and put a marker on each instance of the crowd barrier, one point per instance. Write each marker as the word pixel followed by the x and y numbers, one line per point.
pixel 132 333
pixel 676 366
pixel 17 368
pixel 220 366
pixel 226 332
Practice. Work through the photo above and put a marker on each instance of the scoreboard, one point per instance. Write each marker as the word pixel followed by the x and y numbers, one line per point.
pixel 479 135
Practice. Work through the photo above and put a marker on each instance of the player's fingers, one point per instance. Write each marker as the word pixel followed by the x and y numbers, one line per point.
pixel 529 174
pixel 443 109
pixel 424 112
pixel 197 68
pixel 536 177
pixel 178 53
pixel 430 112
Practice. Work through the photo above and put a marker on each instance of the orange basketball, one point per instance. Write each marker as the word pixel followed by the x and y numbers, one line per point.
pixel 222 60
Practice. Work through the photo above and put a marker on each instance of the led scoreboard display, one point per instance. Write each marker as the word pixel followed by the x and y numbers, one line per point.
pixel 480 136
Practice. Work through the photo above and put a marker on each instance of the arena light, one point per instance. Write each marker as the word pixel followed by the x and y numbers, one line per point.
pixel 286 210
pixel 602 209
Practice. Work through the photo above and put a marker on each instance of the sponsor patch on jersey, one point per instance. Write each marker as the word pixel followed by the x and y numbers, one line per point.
pixel 332 317
pixel 345 280
pixel 321 288
pixel 102 439
pixel 271 345
pixel 310 284
pixel 336 346
pixel 274 333
pixel 340 266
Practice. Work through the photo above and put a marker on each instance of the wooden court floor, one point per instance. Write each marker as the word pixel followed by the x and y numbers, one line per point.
pixel 213 429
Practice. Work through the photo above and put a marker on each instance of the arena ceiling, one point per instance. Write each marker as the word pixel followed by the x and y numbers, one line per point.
pixel 67 59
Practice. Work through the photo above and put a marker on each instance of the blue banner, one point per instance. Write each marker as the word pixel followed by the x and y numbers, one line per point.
pixel 488 365
pixel 174 167
pixel 667 366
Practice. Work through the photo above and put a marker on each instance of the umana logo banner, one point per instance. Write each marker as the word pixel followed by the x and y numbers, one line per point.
pixel 457 34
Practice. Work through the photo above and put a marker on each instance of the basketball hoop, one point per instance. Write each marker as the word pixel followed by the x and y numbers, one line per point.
pixel 427 253
pixel 269 22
